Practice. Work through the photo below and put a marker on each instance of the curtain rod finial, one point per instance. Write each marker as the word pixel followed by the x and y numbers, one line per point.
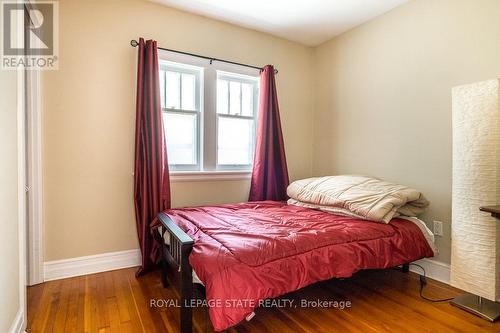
pixel 134 43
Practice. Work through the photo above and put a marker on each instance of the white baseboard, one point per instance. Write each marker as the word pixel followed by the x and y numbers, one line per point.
pixel 18 323
pixel 60 269
pixel 434 269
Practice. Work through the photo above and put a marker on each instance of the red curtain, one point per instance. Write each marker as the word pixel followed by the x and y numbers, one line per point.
pixel 270 174
pixel 151 178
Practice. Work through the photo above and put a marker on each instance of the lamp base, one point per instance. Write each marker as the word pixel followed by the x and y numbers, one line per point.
pixel 479 306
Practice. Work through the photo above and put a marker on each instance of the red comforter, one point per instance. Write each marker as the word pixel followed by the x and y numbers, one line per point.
pixel 258 250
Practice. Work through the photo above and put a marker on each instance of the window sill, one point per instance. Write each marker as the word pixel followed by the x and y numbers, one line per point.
pixel 199 176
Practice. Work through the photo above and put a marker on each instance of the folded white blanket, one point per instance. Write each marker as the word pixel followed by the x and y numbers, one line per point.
pixel 357 196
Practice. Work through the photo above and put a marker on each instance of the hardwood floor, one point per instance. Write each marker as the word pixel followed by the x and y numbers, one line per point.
pixel 382 301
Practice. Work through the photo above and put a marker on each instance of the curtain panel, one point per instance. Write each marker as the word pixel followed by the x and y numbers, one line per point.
pixel 151 177
pixel 270 173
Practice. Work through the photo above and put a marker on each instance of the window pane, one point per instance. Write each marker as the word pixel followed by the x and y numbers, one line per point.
pixel 188 92
pixel 173 90
pixel 247 99
pixel 181 139
pixel 234 94
pixel 235 141
pixel 162 88
pixel 222 96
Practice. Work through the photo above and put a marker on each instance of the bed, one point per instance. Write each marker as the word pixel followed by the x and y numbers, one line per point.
pixel 259 250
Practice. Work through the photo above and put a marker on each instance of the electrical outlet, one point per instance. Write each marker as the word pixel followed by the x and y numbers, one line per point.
pixel 438 228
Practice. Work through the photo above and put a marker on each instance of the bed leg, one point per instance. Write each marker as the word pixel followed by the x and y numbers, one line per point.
pixel 186 291
pixel 164 250
pixel 405 268
pixel 186 315
pixel 164 273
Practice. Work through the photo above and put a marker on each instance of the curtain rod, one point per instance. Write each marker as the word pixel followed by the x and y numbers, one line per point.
pixel 134 43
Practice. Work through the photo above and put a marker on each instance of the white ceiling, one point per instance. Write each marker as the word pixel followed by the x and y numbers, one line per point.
pixel 310 22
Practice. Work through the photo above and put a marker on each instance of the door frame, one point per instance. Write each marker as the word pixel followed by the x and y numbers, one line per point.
pixel 34 145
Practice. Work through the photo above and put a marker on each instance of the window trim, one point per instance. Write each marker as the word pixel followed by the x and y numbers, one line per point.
pixel 208 170
pixel 190 176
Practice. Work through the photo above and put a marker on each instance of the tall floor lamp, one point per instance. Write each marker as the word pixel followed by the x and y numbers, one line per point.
pixel 475 250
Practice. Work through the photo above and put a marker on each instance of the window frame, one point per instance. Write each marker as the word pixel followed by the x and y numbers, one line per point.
pixel 240 78
pixel 207 119
pixel 166 65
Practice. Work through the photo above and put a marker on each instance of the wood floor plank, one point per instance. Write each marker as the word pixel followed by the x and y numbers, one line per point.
pixel 55 297
pixel 134 323
pixel 34 299
pixel 62 308
pixel 117 301
pixel 102 306
pixel 91 311
pixel 71 325
pixel 141 297
pixel 80 322
pixel 120 289
pixel 114 317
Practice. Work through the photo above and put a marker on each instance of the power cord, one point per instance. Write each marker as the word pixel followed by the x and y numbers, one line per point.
pixel 423 283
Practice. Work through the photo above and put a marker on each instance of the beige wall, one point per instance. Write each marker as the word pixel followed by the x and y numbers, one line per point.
pixel 383 104
pixel 9 239
pixel 89 116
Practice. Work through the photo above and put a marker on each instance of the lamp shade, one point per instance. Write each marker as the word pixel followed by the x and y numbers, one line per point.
pixel 475 250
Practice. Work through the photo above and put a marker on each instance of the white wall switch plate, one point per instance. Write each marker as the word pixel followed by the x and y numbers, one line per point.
pixel 438 228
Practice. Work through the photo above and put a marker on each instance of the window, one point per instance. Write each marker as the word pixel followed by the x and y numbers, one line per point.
pixel 236 110
pixel 180 101
pixel 209 114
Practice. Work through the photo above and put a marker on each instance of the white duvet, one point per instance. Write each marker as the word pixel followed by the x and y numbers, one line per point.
pixel 357 196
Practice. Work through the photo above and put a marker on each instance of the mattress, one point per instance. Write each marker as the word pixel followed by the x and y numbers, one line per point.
pixel 429 236
pixel 259 250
